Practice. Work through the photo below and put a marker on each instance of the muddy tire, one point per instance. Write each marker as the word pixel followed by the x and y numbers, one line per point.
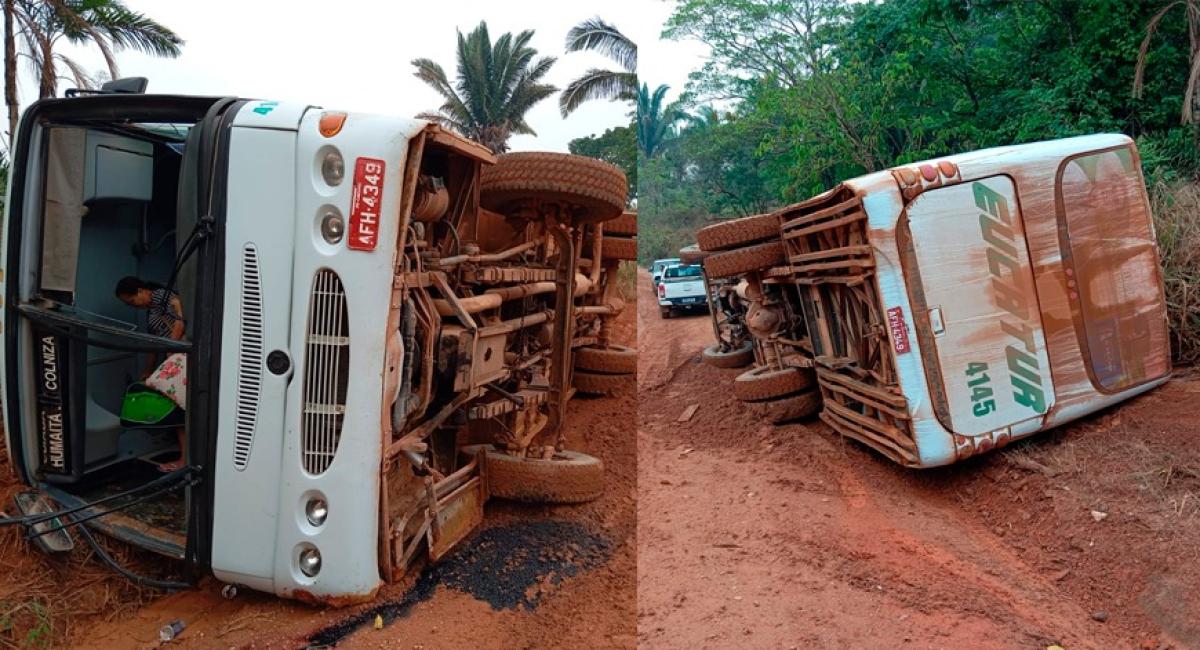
pixel 796 407
pixel 615 248
pixel 596 383
pixel 596 188
pixel 613 360
pixel 692 255
pixel 738 232
pixel 665 313
pixel 762 383
pixel 738 358
pixel 569 477
pixel 744 260
pixel 626 225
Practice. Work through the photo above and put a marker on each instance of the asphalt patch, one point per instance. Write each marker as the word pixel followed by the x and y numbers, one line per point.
pixel 508 567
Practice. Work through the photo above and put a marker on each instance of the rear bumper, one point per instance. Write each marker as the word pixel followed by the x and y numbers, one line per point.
pixel 683 301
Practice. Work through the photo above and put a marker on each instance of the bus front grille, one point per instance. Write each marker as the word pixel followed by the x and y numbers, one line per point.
pixel 250 358
pixel 326 372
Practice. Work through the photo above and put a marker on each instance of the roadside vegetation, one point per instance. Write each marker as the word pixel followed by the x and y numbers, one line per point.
pixel 799 95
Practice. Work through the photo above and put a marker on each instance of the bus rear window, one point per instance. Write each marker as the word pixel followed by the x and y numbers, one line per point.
pixel 1112 268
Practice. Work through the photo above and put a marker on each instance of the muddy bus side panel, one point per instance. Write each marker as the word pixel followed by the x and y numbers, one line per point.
pixel 257 320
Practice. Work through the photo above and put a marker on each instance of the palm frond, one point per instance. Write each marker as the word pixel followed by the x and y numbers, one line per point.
pixel 125 28
pixel 78 74
pixel 597 84
pixel 442 120
pixel 596 35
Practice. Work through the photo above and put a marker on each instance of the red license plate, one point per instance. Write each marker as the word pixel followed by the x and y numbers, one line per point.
pixel 365 202
pixel 899 331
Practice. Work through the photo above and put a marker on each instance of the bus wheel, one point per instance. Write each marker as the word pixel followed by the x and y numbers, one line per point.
pixel 592 189
pixel 566 477
pixel 613 360
pixel 762 383
pixel 597 383
pixel 692 255
pixel 758 257
pixel 737 358
pixel 797 407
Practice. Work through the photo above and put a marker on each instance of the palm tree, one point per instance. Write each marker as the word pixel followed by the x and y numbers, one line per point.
pixel 655 122
pixel 595 34
pixel 496 85
pixel 107 24
pixel 1191 9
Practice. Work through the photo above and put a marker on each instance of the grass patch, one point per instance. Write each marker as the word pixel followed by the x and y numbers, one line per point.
pixel 25 624
pixel 627 281
pixel 1177 224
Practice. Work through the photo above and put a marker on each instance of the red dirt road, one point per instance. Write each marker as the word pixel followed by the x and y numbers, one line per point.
pixel 790 537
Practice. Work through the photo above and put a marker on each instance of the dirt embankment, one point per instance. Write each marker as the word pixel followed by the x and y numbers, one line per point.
pixel 785 537
pixel 533 577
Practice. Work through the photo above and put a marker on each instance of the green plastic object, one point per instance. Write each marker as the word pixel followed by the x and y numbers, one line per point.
pixel 144 406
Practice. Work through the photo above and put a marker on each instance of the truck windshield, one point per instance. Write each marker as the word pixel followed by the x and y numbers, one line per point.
pixel 690 271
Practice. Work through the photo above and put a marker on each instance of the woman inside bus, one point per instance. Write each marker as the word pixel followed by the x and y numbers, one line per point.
pixel 166 320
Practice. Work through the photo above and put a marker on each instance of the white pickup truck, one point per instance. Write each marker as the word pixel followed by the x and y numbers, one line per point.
pixel 681 287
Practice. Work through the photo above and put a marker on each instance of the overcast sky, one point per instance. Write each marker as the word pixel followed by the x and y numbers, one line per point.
pixel 355 54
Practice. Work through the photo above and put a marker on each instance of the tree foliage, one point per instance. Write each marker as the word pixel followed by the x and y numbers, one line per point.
pixel 107 24
pixel 495 86
pixel 656 119
pixel 820 90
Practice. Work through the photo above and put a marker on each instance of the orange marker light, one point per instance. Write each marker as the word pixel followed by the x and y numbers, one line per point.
pixel 331 124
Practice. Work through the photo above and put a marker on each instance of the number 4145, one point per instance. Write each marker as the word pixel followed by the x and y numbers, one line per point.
pixel 981 392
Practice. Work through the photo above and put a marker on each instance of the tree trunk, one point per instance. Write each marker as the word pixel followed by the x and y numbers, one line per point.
pixel 10 72
pixel 49 80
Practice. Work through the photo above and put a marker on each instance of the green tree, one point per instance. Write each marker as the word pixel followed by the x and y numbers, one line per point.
pixel 655 120
pixel 496 86
pixel 752 40
pixel 819 91
pixel 1191 10
pixel 41 25
pixel 598 36
pixel 617 146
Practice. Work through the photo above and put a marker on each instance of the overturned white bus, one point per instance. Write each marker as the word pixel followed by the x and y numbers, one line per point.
pixel 374 313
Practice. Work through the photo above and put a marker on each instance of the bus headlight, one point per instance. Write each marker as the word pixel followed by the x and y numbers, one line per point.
pixel 333 168
pixel 332 226
pixel 310 561
pixel 316 510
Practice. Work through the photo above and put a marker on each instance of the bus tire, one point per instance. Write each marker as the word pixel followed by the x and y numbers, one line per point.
pixel 759 257
pixel 595 383
pixel 626 225
pixel 615 248
pixel 763 383
pixel 568 477
pixel 796 407
pixel 613 360
pixel 738 358
pixel 692 254
pixel 734 233
pixel 595 189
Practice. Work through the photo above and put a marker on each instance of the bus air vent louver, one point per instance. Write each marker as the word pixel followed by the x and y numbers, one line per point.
pixel 326 372
pixel 250 358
